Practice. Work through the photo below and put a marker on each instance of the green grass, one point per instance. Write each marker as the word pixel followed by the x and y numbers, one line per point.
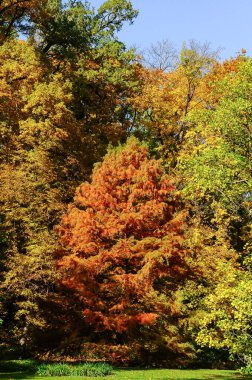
pixel 25 370
pixel 79 369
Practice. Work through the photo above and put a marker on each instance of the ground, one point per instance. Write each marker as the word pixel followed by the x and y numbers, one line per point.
pixel 140 374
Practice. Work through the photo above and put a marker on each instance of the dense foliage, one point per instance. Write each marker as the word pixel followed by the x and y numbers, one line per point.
pixel 149 260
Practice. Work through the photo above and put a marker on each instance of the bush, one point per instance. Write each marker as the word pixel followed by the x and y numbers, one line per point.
pixel 85 369
pixel 246 370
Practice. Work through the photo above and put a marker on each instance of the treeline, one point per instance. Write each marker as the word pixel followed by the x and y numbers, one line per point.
pixel 149 260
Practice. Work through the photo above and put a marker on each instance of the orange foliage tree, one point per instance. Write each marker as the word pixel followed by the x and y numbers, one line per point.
pixel 123 254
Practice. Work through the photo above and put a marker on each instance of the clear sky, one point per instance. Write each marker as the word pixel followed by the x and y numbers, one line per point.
pixel 223 23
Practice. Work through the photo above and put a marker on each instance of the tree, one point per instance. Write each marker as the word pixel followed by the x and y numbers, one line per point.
pixel 215 162
pixel 123 252
pixel 161 55
pixel 225 319
pixel 103 81
pixel 62 29
pixel 58 26
pixel 59 102
pixel 129 251
pixel 33 110
pixel 215 169
pixel 15 14
pixel 166 98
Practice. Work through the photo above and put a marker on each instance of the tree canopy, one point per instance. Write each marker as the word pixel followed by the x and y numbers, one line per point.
pixel 125 191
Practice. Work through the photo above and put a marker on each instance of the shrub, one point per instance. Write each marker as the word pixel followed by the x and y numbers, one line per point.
pixel 246 370
pixel 64 369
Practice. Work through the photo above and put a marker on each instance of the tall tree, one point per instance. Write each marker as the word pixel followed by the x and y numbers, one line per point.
pixel 49 101
pixel 126 255
pixel 217 171
pixel 165 99
pixel 33 110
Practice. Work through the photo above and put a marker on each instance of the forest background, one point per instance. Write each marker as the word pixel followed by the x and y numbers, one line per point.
pixel 125 207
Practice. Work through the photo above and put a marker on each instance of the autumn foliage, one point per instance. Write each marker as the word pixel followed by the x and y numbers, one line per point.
pixel 122 246
pixel 149 260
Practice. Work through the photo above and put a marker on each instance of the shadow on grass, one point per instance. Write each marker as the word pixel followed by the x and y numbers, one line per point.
pixel 16 375
pixel 17 369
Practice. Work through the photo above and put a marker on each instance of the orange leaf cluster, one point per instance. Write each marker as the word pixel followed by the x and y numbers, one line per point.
pixel 122 242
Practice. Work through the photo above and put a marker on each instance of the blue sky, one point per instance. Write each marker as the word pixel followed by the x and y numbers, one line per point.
pixel 223 23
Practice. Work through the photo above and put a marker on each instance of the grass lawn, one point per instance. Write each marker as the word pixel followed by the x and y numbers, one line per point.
pixel 24 371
